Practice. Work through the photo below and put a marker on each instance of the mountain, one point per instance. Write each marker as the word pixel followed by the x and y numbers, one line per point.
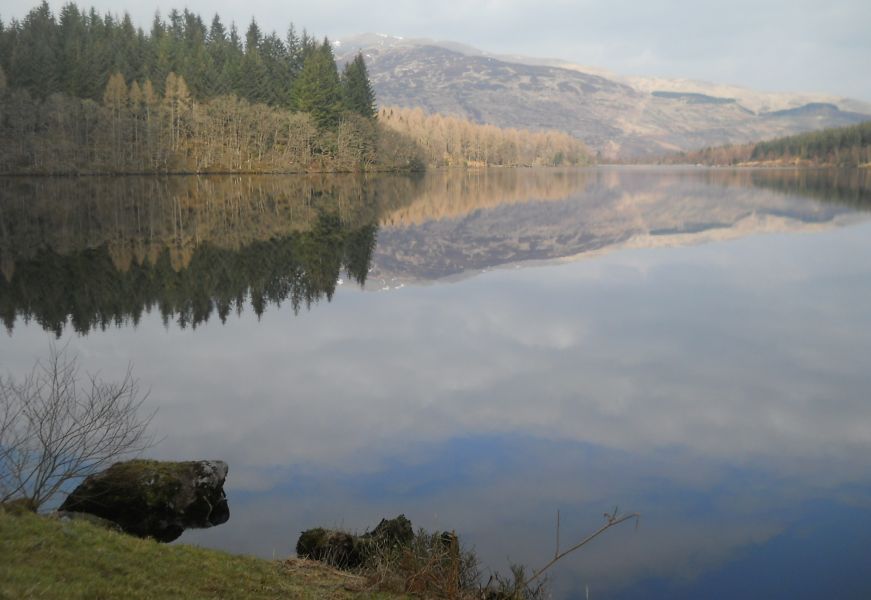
pixel 621 117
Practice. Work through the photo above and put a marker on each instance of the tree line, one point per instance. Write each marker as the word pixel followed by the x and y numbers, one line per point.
pixel 832 147
pixel 837 146
pixel 449 141
pixel 136 129
pixel 87 92
pixel 78 52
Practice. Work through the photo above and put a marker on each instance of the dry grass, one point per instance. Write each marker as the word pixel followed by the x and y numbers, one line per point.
pixel 434 565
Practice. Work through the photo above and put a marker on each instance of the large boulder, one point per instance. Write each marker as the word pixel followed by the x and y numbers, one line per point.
pixel 157 499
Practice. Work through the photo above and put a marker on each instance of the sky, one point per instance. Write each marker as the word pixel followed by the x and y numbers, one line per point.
pixel 770 45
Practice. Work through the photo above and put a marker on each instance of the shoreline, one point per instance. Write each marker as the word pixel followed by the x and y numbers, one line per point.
pixel 413 172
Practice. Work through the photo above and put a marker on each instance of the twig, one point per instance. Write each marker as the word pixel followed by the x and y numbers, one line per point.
pixel 556 552
pixel 611 520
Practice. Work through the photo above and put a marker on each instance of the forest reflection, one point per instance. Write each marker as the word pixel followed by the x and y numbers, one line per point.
pixel 453 195
pixel 95 252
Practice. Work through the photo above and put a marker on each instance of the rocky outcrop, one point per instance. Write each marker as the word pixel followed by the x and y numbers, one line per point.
pixel 348 551
pixel 155 499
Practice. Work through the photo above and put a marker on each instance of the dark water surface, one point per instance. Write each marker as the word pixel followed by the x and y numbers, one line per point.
pixel 480 350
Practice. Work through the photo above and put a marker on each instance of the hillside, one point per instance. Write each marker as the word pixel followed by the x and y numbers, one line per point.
pixel 832 147
pixel 48 558
pixel 617 116
pixel 843 146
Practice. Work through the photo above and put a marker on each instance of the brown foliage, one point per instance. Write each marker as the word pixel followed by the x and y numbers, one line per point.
pixel 135 130
pixel 453 141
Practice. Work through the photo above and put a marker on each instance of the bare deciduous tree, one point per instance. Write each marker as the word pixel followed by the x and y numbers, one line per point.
pixel 56 426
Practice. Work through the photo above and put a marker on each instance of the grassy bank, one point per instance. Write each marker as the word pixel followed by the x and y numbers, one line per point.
pixel 47 558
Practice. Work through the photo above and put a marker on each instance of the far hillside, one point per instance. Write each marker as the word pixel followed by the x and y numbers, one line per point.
pixel 833 147
pixel 623 118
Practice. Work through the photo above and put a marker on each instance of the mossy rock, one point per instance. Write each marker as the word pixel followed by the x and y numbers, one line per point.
pixel 157 499
pixel 337 548
pixel 348 551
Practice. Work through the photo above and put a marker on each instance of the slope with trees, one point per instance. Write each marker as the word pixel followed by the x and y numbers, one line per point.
pixel 455 141
pixel 841 146
pixel 87 92
pixel 834 147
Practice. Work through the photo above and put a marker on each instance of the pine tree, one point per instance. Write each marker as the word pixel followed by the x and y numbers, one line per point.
pixel 317 90
pixel 34 61
pixel 294 52
pixel 357 90
pixel 217 32
pixel 273 53
pixel 71 42
pixel 125 43
pixel 253 77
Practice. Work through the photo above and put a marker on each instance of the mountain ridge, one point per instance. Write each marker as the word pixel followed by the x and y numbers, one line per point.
pixel 617 116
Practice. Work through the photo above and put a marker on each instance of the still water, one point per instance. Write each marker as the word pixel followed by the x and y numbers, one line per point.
pixel 480 350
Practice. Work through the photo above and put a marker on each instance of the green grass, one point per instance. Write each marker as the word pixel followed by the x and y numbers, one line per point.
pixel 47 558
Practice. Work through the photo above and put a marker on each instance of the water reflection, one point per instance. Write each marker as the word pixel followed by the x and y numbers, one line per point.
pixel 720 389
pixel 102 251
pixel 456 229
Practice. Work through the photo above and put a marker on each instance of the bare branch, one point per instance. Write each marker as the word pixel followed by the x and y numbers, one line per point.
pixel 52 429
pixel 611 520
pixel 556 552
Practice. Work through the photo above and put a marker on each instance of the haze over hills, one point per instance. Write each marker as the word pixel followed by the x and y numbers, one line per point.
pixel 624 117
